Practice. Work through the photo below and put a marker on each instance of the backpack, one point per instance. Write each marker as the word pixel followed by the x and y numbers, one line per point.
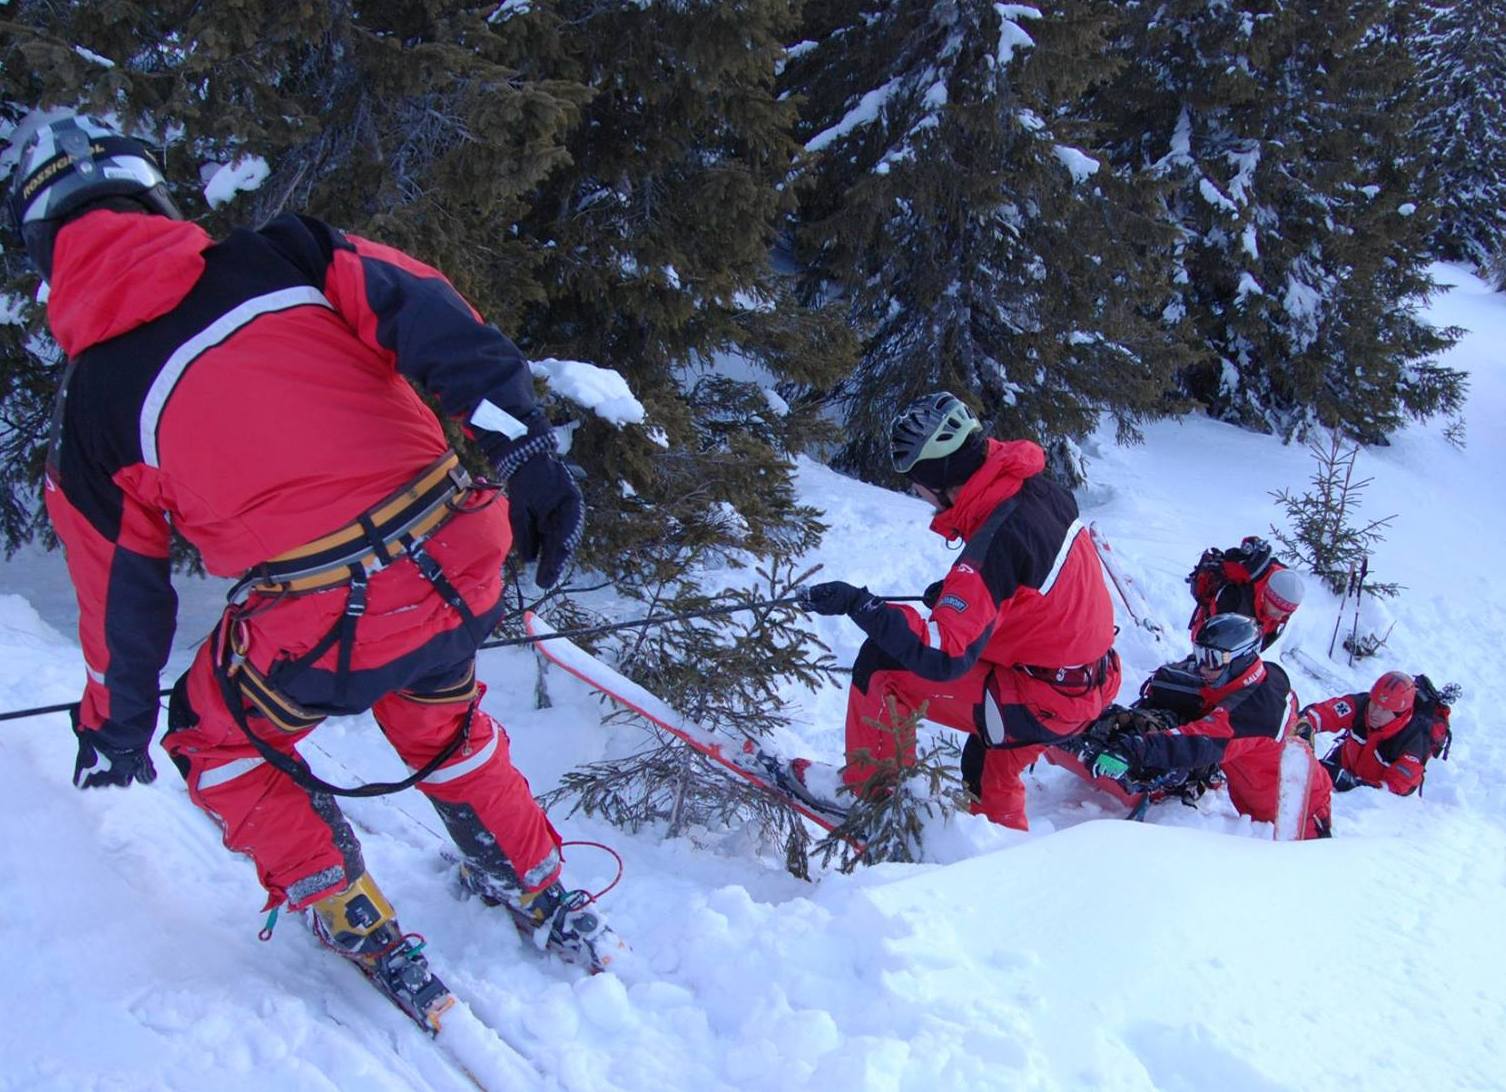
pixel 1250 564
pixel 1432 707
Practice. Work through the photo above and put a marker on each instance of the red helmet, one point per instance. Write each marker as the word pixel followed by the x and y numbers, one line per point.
pixel 1394 692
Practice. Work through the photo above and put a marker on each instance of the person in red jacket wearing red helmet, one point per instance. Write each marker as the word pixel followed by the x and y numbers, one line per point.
pixel 1233 711
pixel 1017 648
pixel 254 395
pixel 1386 736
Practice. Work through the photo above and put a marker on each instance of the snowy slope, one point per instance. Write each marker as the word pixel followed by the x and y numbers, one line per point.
pixel 1183 953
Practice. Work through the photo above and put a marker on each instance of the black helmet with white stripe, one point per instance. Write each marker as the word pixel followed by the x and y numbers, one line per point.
pixel 72 164
pixel 937 441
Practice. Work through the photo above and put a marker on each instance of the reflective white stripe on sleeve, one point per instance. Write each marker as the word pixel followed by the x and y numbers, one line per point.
pixel 1068 539
pixel 210 779
pixel 460 769
pixel 95 675
pixel 933 635
pixel 494 418
pixel 217 331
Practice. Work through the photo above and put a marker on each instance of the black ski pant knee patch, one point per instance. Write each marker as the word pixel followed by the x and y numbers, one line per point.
pixel 473 840
pixel 871 660
pixel 180 718
pixel 972 765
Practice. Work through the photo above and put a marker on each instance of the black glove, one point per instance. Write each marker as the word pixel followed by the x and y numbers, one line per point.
pixel 544 503
pixel 105 761
pixel 1111 764
pixel 836 597
pixel 1342 779
pixel 1118 761
pixel 931 594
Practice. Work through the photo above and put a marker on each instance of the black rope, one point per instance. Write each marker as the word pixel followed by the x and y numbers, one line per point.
pixel 588 631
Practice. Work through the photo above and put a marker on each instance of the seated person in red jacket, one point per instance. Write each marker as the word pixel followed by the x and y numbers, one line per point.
pixel 1245 579
pixel 1386 736
pixel 1236 713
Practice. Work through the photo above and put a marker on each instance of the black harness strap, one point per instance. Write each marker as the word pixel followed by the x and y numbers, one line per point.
pixel 239 686
pixel 297 769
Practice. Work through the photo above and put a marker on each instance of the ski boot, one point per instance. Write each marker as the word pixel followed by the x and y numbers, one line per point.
pixel 359 923
pixel 553 919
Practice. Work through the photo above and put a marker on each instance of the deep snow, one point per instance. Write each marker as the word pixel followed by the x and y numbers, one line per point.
pixel 1186 952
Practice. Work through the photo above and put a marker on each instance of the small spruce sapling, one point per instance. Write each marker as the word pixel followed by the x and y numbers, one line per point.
pixel 906 790
pixel 1325 537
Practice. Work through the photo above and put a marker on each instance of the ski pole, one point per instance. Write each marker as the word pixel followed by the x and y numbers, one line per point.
pixel 1338 619
pixel 18 714
pixel 1359 591
pixel 588 631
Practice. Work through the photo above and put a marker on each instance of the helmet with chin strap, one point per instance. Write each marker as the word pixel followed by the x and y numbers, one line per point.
pixel 71 165
pixel 1228 642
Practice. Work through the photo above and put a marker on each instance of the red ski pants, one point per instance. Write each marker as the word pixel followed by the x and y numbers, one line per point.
pixel 412 665
pixel 1006 711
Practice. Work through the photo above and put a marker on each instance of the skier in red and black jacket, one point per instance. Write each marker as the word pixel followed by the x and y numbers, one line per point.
pixel 1386 736
pixel 1234 712
pixel 253 394
pixel 1017 648
pixel 1245 579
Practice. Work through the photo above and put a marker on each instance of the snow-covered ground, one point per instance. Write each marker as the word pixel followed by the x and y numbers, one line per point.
pixel 1187 952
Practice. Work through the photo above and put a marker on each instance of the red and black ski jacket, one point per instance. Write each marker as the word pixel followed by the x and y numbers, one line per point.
pixel 253 394
pixel 1027 588
pixel 1258 703
pixel 1393 755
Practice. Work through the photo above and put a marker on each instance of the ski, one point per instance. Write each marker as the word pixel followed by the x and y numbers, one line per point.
pixel 1134 600
pixel 808 787
pixel 1311 667
pixel 472 1049
pixel 1293 790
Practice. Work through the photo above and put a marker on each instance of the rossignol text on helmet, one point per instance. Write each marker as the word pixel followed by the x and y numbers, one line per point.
pixel 1228 642
pixel 69 165
pixel 937 441
pixel 1394 692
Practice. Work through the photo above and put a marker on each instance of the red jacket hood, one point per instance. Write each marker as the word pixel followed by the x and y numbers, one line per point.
pixel 1004 470
pixel 115 271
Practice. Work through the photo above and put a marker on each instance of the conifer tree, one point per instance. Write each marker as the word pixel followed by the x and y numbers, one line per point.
pixel 1461 61
pixel 1284 132
pixel 654 248
pixel 950 206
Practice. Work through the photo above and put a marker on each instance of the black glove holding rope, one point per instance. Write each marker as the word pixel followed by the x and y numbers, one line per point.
pixel 838 597
pixel 544 503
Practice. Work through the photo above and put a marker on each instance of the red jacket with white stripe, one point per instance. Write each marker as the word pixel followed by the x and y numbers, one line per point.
pixel 1027 588
pixel 251 393
pixel 1393 755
